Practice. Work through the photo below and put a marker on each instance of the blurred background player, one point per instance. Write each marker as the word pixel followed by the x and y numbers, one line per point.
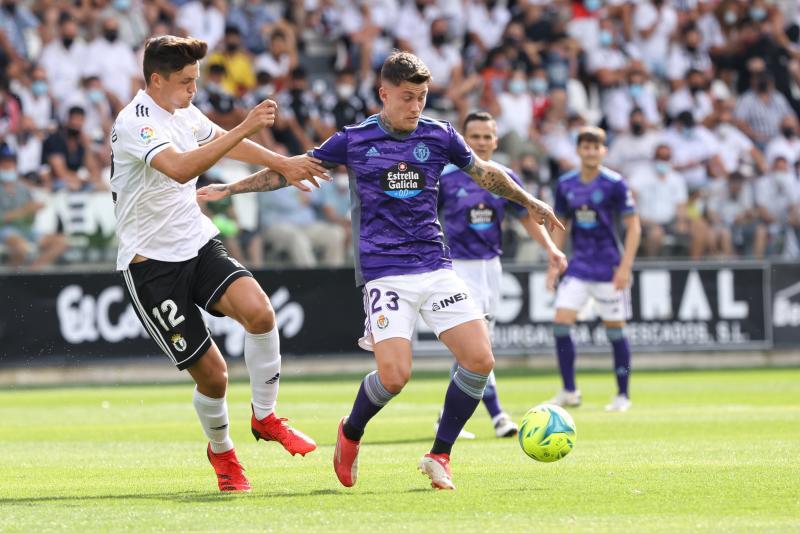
pixel 588 201
pixel 169 256
pixel 473 219
pixel 396 158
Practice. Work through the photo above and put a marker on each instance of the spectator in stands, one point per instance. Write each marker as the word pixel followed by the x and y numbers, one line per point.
pixel 17 211
pixel 777 195
pixel 486 22
pixel 114 62
pixel 692 97
pixel 346 107
pixel 686 54
pixel 606 62
pixel 10 111
pixel 444 62
pixel 68 153
pixel 661 195
pixel 760 110
pixel 290 225
pixel 216 102
pixel 334 205
pixel 239 75
pixel 631 151
pixel 736 150
pixel 16 20
pixel 654 23
pixel 64 59
pixel 735 228
pixel 203 19
pixel 619 101
pixel 695 152
pixel 412 27
pixel 37 103
pixel 280 59
pixel 29 143
pixel 299 121
pixel 133 26
pixel 786 145
pixel 253 19
pixel 514 111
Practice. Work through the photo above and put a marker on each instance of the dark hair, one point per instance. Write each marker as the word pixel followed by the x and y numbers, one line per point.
pixel 168 54
pixel 481 116
pixel 76 110
pixel 404 66
pixel 736 176
pixel 591 134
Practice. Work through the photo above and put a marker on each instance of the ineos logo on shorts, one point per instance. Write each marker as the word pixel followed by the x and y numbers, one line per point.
pixel 480 217
pixel 403 181
pixel 441 304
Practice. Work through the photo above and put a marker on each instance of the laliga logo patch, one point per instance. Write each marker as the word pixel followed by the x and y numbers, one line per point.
pixel 480 217
pixel 147 134
pixel 382 322
pixel 178 342
pixel 422 152
pixel 403 181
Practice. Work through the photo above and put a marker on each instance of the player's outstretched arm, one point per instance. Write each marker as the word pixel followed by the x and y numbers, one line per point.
pixel 263 180
pixel 495 180
pixel 185 166
pixel 633 235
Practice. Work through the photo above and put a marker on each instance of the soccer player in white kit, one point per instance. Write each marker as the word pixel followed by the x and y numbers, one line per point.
pixel 473 218
pixel 169 258
pixel 589 200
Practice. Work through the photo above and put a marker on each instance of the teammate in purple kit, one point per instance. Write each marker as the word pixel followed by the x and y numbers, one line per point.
pixel 587 201
pixel 394 160
pixel 472 218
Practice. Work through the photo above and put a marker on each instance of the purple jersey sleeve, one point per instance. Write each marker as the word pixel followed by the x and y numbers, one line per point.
pixel 623 201
pixel 562 207
pixel 334 150
pixel 460 154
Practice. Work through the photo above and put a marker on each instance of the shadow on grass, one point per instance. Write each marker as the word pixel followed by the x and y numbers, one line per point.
pixel 197 496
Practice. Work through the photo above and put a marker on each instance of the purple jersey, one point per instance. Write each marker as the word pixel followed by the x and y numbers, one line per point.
pixel 394 184
pixel 591 207
pixel 472 215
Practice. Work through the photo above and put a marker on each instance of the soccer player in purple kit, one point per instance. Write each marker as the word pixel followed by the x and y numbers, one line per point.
pixel 587 200
pixel 472 218
pixel 394 160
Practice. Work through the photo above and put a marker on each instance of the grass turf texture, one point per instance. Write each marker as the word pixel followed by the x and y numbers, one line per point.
pixel 699 450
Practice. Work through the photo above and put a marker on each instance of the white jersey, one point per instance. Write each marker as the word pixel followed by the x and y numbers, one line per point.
pixel 157 217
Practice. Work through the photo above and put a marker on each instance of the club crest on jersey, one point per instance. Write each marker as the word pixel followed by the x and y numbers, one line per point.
pixel 382 322
pixel 597 196
pixel 178 342
pixel 403 181
pixel 147 134
pixel 422 152
pixel 480 217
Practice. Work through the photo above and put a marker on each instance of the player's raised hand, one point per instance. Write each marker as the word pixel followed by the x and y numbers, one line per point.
pixel 213 192
pixel 543 214
pixel 304 168
pixel 260 117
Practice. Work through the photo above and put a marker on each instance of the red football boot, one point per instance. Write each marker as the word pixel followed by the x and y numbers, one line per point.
pixel 274 428
pixel 230 474
pixel 437 467
pixel 345 457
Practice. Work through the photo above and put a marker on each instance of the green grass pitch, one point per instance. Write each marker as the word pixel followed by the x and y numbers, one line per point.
pixel 699 450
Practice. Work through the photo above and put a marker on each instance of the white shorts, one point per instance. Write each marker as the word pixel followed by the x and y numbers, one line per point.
pixel 482 277
pixel 611 304
pixel 392 305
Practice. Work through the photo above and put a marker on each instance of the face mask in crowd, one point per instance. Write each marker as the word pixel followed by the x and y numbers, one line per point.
pixel 8 176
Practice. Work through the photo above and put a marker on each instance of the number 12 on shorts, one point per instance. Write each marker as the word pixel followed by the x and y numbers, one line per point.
pixel 375 297
pixel 169 308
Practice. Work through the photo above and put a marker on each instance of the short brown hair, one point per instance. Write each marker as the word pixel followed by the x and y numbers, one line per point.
pixel 404 66
pixel 167 54
pixel 591 134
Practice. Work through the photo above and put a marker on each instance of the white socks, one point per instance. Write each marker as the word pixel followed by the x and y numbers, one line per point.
pixel 262 355
pixel 213 414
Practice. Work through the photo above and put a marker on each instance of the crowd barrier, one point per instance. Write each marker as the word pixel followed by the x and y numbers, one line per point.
pixel 675 306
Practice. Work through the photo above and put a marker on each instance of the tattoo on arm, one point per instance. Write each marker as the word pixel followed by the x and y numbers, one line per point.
pixel 263 180
pixel 498 182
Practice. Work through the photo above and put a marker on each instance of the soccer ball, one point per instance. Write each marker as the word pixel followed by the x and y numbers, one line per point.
pixel 547 433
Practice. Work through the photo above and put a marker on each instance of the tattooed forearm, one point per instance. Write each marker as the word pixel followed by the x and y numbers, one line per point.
pixel 496 181
pixel 263 180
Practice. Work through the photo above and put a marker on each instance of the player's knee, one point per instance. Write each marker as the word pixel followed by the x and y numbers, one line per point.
pixel 484 364
pixel 260 318
pixel 395 380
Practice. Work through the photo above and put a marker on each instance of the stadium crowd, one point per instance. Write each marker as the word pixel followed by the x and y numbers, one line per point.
pixel 699 98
